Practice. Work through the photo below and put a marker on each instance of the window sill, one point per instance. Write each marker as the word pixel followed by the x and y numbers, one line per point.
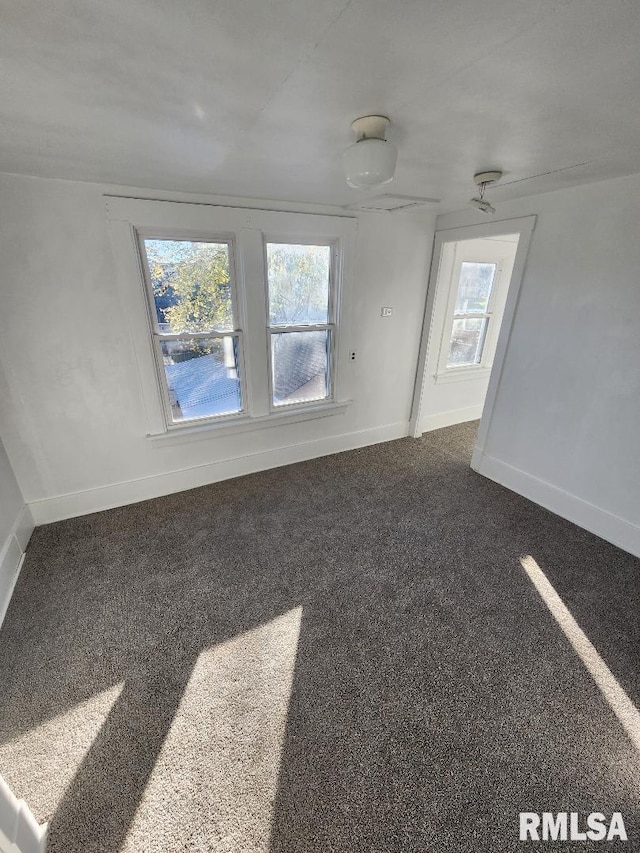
pixel 244 423
pixel 461 373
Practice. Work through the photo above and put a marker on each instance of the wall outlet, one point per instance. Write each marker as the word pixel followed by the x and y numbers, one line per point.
pixel 352 356
pixel 386 312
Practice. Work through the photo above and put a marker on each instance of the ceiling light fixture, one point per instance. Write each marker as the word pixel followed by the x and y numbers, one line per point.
pixel 482 179
pixel 371 160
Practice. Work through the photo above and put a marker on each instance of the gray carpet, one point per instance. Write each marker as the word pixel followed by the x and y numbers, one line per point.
pixel 341 655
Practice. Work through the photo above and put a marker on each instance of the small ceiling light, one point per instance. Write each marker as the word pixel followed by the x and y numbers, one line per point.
pixel 482 179
pixel 371 160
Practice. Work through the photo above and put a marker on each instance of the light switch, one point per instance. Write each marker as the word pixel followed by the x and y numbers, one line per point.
pixel 386 312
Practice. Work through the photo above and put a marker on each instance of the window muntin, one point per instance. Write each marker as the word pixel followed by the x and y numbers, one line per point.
pixel 471 314
pixel 300 321
pixel 195 331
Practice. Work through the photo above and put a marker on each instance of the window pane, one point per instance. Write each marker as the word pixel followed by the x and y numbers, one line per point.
pixel 191 285
pixel 298 279
pixel 300 365
pixel 467 341
pixel 202 377
pixel 474 288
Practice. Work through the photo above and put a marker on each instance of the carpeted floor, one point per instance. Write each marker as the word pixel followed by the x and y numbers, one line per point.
pixel 341 655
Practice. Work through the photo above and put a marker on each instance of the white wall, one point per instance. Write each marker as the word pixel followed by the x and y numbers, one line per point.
pixel 75 427
pixel 459 396
pixel 564 429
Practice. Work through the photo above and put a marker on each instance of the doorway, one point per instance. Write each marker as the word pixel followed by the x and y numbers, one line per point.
pixel 473 288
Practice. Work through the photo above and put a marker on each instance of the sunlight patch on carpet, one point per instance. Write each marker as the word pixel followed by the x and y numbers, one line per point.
pixel 61 743
pixel 620 703
pixel 215 781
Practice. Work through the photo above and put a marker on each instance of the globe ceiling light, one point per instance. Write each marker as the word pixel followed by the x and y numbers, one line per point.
pixel 371 160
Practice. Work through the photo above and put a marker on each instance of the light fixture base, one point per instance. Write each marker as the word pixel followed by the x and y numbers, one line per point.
pixel 370 127
pixel 488 177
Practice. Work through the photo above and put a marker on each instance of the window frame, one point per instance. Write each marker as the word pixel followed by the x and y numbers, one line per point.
pixel 331 325
pixel 464 371
pixel 247 230
pixel 143 234
pixel 474 315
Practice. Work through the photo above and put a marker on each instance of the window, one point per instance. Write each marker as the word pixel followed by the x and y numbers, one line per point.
pixel 471 314
pixel 240 315
pixel 194 327
pixel 300 327
pixel 472 284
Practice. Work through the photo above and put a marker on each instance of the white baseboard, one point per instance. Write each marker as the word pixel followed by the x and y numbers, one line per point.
pixel 19 830
pixel 453 416
pixel 11 555
pixel 132 491
pixel 611 527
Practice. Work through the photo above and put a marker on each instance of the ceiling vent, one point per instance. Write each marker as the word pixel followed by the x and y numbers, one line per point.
pixel 392 203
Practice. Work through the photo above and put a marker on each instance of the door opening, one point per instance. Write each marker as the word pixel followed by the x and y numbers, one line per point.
pixel 475 277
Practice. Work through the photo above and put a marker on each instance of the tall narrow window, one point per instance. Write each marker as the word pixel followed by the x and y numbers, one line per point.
pixel 471 314
pixel 301 322
pixel 195 330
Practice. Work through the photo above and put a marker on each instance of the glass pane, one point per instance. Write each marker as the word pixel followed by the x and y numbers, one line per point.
pixel 300 365
pixel 191 285
pixel 202 377
pixel 474 288
pixel 467 341
pixel 298 279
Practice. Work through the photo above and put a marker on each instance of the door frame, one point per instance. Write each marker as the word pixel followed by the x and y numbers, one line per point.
pixel 523 226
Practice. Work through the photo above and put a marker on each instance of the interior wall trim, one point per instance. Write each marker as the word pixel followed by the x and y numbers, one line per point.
pixel 47 510
pixel 614 529
pixel 453 416
pixel 19 830
pixel 12 555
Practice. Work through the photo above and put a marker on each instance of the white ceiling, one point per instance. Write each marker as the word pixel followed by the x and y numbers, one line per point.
pixel 256 97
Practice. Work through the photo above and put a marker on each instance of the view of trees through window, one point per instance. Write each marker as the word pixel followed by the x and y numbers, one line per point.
pixel 192 297
pixel 191 285
pixel 192 301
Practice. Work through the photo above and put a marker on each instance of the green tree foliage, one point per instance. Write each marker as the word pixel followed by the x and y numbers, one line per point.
pixel 298 283
pixel 190 285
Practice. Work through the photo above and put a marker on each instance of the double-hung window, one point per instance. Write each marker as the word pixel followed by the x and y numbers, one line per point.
pixel 301 321
pixel 237 315
pixel 472 290
pixel 471 314
pixel 194 325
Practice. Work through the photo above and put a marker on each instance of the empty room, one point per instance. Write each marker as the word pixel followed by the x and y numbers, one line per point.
pixel 319 406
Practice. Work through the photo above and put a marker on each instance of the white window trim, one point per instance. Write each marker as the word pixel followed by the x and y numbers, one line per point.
pixel 194 431
pixel 143 234
pixel 459 374
pixel 133 219
pixel 333 316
